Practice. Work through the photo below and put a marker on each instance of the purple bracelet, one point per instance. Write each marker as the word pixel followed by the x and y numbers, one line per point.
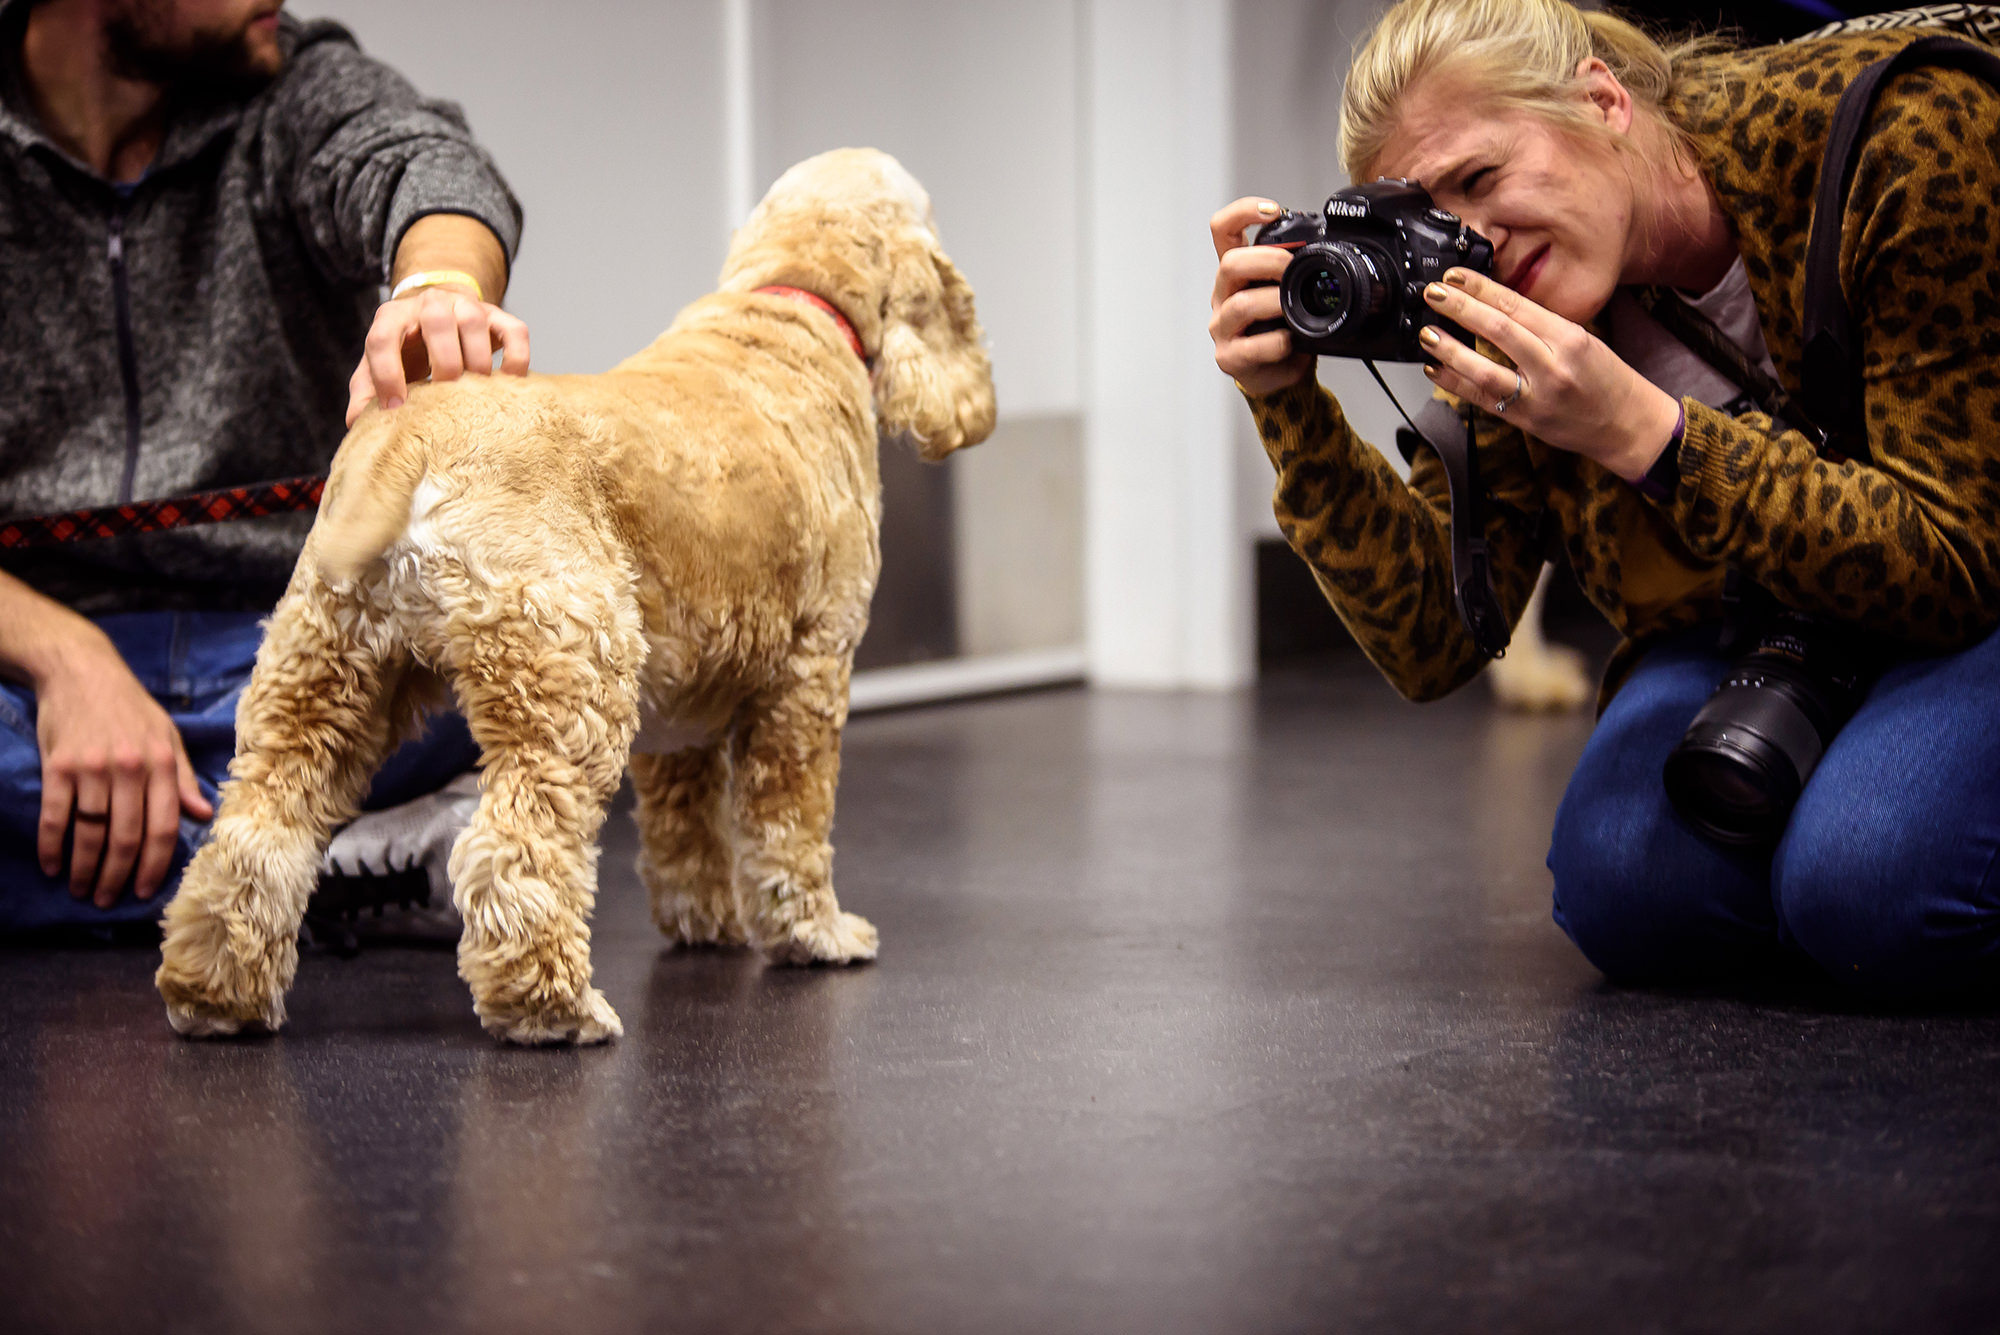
pixel 1664 477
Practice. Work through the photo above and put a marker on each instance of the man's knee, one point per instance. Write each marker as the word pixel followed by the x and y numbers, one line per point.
pixel 20 766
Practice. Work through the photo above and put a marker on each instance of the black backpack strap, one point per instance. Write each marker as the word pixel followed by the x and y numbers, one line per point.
pixel 1832 371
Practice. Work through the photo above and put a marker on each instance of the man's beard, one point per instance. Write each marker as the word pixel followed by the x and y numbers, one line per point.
pixel 201 67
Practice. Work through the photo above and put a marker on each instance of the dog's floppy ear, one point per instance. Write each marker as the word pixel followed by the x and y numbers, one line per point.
pixel 933 380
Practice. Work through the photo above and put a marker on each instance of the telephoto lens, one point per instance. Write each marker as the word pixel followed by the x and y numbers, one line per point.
pixel 1745 759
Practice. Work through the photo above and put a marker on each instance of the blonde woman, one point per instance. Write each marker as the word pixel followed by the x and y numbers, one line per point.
pixel 1600 163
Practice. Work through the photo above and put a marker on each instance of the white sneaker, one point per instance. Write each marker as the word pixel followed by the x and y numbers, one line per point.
pixel 385 873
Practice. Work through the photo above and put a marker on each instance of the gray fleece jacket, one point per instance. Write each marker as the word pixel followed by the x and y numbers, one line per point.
pixel 198 329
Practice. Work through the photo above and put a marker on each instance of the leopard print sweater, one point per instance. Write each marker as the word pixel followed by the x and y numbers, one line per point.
pixel 1907 545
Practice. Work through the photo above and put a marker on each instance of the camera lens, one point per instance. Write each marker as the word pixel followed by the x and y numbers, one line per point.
pixel 1323 295
pixel 1735 788
pixel 1334 288
pixel 1746 757
pixel 1743 783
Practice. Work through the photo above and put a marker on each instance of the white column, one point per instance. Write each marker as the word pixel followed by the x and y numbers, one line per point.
pixel 1168 574
pixel 739 151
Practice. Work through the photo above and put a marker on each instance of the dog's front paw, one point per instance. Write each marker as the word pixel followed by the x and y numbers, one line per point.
pixel 848 939
pixel 196 1016
pixel 212 996
pixel 221 971
pixel 593 1021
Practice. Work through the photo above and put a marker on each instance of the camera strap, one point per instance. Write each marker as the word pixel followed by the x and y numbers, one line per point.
pixel 1701 336
pixel 1471 567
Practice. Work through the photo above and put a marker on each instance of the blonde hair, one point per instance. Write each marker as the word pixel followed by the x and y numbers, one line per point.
pixel 1520 54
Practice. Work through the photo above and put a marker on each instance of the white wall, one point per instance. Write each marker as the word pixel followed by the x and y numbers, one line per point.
pixel 1168 591
pixel 608 118
pixel 980 102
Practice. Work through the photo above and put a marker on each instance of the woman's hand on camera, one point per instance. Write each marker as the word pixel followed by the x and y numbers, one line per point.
pixel 1262 363
pixel 1572 392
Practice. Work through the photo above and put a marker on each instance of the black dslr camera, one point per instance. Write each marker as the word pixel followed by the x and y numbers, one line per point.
pixel 1355 286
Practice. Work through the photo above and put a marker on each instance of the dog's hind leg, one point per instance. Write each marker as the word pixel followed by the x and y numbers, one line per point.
pixel 552 700
pixel 684 858
pixel 786 754
pixel 318 715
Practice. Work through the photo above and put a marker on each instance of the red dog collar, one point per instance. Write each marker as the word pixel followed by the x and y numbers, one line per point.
pixel 814 299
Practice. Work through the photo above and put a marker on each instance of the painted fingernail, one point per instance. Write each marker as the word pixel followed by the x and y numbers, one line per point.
pixel 1428 336
pixel 1431 372
pixel 1435 293
pixel 1268 209
pixel 1456 277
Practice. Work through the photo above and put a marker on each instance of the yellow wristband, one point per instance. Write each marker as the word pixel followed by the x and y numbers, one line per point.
pixel 437 278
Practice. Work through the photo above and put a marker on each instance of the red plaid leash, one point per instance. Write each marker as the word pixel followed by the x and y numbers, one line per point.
pixel 201 507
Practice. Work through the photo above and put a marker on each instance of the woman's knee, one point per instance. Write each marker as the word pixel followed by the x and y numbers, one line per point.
pixel 1885 877
pixel 1598 900
pixel 1644 899
pixel 1880 906
pixel 1635 889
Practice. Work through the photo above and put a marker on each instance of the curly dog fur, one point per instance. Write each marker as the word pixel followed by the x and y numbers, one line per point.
pixel 681 549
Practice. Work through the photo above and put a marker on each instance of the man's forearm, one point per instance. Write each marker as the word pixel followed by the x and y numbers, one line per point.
pixel 454 241
pixel 432 330
pixel 39 637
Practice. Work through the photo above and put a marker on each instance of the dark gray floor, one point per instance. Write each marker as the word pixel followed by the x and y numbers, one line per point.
pixel 1193 1014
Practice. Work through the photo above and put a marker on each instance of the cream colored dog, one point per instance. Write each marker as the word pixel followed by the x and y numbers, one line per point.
pixel 688 542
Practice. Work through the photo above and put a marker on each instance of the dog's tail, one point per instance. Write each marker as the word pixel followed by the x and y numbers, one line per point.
pixel 367 504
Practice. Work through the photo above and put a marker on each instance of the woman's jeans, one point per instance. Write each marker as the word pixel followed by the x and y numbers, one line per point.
pixel 1884 878
pixel 195 664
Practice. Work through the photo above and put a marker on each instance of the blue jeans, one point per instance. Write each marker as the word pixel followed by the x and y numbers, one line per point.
pixel 1885 877
pixel 195 664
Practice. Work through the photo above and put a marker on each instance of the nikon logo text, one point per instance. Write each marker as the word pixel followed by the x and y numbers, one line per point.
pixel 1346 208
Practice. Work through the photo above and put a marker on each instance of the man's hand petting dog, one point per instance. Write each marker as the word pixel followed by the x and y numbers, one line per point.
pixel 115 773
pixel 440 332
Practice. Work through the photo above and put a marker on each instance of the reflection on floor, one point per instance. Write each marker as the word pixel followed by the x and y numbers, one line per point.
pixel 1193 1014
